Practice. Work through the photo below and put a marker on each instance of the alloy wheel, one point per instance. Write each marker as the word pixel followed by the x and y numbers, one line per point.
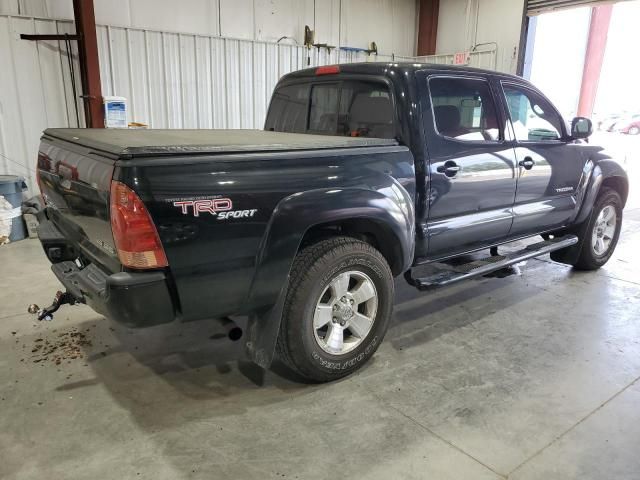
pixel 604 230
pixel 345 312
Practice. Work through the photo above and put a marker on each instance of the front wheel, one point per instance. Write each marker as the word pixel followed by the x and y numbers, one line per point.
pixel 602 232
pixel 337 308
pixel 634 131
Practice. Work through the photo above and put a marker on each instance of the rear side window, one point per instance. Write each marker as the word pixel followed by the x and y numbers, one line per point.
pixel 464 109
pixel 288 109
pixel 347 108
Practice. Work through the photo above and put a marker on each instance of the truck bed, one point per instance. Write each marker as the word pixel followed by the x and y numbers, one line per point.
pixel 140 142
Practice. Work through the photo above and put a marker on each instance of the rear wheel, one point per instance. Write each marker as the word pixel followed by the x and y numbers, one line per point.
pixel 337 309
pixel 602 232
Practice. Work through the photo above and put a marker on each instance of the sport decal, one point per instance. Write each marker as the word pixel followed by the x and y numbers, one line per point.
pixel 218 207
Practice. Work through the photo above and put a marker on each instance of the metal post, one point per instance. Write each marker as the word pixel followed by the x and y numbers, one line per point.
pixel 524 47
pixel 89 62
pixel 428 26
pixel 593 58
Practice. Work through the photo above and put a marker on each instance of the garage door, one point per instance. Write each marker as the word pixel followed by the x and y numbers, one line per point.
pixel 534 7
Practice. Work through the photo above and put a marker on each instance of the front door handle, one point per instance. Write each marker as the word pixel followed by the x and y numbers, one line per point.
pixel 450 168
pixel 527 163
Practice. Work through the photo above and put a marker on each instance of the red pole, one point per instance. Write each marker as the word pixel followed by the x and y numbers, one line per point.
pixel 428 26
pixel 593 58
pixel 89 62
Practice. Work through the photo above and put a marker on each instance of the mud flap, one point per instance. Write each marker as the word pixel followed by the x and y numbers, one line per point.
pixel 570 254
pixel 262 331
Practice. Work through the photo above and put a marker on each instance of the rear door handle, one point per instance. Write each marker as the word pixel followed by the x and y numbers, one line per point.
pixel 450 168
pixel 527 163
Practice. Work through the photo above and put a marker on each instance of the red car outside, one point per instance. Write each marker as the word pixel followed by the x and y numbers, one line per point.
pixel 632 127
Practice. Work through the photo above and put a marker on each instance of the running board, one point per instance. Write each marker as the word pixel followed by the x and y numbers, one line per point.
pixel 449 274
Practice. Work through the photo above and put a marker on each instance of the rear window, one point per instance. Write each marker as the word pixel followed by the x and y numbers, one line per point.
pixel 348 108
pixel 288 109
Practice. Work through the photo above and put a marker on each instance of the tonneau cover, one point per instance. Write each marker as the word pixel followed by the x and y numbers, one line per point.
pixel 142 142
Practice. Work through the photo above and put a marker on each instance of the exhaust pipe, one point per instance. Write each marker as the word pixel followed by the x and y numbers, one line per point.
pixel 231 328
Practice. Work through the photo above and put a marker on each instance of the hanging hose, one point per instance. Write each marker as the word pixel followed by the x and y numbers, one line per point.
pixel 72 73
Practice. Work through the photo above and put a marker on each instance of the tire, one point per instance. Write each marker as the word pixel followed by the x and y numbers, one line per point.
pixel 319 273
pixel 634 131
pixel 592 254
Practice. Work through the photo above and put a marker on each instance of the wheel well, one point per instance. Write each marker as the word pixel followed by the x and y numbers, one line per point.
pixel 369 231
pixel 620 185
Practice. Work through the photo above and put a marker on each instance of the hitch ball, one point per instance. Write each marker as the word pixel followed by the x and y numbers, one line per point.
pixel 59 300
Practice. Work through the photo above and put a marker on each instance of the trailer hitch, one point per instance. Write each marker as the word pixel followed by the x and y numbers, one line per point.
pixel 59 300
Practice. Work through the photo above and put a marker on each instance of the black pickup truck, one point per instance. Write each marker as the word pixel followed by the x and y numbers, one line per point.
pixel 363 172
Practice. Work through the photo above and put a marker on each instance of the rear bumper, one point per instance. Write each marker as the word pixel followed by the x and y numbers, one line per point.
pixel 133 299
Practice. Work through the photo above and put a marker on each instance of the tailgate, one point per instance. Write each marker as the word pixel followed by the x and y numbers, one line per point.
pixel 75 183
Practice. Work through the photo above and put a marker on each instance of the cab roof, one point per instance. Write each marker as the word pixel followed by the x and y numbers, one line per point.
pixel 383 68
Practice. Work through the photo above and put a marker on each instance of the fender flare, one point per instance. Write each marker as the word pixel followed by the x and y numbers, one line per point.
pixel 596 174
pixel 594 177
pixel 391 207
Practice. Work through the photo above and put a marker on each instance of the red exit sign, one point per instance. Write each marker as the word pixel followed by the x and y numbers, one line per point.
pixel 461 58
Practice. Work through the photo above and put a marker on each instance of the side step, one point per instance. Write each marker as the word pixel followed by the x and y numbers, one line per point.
pixel 449 274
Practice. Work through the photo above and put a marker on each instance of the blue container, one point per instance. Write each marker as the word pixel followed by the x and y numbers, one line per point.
pixel 11 188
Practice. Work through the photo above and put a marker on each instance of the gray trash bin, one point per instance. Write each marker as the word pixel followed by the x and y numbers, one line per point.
pixel 11 223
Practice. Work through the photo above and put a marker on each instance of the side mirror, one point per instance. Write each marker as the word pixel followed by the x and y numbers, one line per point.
pixel 581 127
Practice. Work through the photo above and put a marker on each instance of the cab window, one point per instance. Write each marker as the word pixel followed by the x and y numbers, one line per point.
pixel 347 108
pixel 288 109
pixel 464 109
pixel 533 117
pixel 323 112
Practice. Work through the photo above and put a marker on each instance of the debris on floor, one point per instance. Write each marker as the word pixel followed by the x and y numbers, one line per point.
pixel 67 346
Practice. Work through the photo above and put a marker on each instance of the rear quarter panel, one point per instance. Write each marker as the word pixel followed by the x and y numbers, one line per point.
pixel 214 257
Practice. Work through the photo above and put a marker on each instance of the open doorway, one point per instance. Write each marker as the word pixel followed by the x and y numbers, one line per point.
pixel 585 60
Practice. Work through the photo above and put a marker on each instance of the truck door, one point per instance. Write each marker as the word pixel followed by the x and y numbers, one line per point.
pixel 549 163
pixel 472 171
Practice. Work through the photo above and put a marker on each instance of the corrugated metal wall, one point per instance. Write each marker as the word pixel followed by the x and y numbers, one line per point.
pixel 34 91
pixel 177 80
pixel 170 80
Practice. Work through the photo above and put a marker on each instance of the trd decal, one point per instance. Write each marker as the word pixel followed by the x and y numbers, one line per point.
pixel 219 207
pixel 237 214
pixel 205 205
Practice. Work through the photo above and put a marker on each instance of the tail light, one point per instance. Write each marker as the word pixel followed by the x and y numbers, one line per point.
pixel 134 233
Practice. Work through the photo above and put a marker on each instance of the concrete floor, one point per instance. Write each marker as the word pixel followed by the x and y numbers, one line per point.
pixel 534 376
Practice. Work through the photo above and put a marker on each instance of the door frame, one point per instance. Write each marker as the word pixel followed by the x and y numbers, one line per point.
pixel 429 131
pixel 565 141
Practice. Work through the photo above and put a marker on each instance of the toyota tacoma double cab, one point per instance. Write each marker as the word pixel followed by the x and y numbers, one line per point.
pixel 364 172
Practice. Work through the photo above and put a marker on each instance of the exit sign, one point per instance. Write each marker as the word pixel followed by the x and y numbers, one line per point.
pixel 460 58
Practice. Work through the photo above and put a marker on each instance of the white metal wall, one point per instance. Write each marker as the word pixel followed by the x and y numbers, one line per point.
pixel 355 23
pixel 463 24
pixel 34 91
